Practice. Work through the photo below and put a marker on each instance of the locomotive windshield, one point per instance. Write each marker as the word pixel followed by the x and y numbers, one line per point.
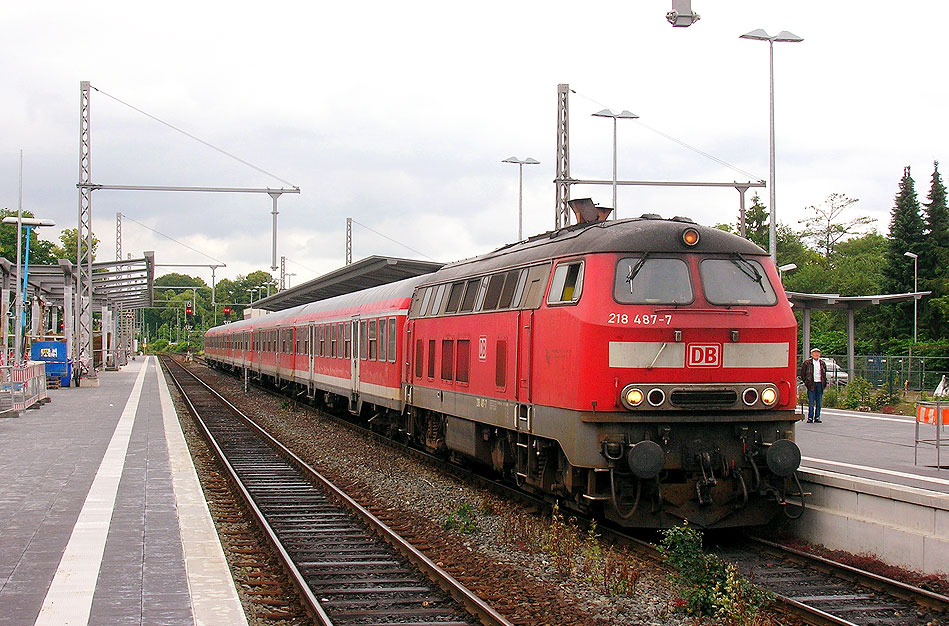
pixel 650 280
pixel 737 280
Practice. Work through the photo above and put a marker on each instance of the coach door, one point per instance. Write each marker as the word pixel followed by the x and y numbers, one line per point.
pixel 525 334
pixel 354 343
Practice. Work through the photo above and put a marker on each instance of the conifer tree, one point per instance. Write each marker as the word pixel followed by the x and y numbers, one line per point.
pixel 906 235
pixel 756 222
pixel 934 259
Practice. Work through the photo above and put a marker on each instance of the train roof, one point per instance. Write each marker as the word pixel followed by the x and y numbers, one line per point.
pixel 649 233
pixel 350 302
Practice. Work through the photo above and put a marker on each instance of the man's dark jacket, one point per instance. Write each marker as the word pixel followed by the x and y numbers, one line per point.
pixel 807 373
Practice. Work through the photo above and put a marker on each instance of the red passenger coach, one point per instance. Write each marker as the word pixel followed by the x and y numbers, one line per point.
pixel 344 350
pixel 643 369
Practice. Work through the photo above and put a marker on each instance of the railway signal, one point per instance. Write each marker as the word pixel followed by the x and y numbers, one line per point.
pixel 227 313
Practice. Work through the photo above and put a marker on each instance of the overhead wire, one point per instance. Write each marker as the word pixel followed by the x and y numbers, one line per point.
pixel 126 217
pixel 198 139
pixel 678 141
pixel 394 241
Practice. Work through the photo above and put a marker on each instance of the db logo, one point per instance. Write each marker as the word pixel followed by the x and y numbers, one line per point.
pixel 704 354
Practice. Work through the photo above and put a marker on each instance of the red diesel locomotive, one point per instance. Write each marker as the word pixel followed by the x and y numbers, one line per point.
pixel 641 368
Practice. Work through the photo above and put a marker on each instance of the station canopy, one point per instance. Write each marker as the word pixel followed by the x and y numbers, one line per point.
pixel 126 284
pixel 369 272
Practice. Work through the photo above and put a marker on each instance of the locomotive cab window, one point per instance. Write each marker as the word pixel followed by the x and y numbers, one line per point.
pixel 652 280
pixel 454 297
pixel 736 281
pixel 471 295
pixel 567 283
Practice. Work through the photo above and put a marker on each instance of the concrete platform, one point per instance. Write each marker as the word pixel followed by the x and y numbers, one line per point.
pixel 102 520
pixel 867 493
pixel 873 446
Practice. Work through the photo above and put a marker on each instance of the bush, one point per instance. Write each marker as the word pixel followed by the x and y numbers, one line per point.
pixel 159 345
pixel 710 587
pixel 831 397
pixel 462 519
pixel 859 392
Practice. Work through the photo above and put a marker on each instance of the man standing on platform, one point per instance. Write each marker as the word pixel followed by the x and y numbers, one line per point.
pixel 814 376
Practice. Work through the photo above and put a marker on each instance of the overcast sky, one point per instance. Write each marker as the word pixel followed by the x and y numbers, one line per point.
pixel 398 115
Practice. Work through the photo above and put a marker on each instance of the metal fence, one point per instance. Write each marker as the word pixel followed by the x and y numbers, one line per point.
pixel 908 373
pixel 22 386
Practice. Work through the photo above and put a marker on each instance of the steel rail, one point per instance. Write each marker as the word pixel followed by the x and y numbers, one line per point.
pixel 899 589
pixel 793 608
pixel 475 605
pixel 312 605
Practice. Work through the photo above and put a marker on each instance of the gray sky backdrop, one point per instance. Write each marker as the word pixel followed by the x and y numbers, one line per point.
pixel 399 114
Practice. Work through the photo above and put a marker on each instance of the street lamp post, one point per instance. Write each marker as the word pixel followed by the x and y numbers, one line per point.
pixel 520 190
pixel 626 115
pixel 29 223
pixel 761 35
pixel 786 268
pixel 915 258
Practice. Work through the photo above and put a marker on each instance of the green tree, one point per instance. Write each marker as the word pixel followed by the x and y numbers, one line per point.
pixel 826 229
pixel 756 222
pixel 906 235
pixel 68 249
pixel 41 251
pixel 934 259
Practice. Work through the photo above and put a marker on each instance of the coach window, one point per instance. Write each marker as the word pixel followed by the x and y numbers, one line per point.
pixel 383 343
pixel 372 340
pixel 454 297
pixel 392 326
pixel 567 283
pixel 652 280
pixel 448 358
pixel 462 360
pixel 431 358
pixel 363 340
pixel 471 295
pixel 348 332
pixel 736 281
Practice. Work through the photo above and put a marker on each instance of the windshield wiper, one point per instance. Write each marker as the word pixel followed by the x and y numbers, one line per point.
pixel 633 270
pixel 748 269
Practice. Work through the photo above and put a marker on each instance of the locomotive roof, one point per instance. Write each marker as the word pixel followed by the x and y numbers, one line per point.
pixel 648 233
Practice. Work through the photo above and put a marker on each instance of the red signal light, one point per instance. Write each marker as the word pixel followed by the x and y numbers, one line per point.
pixel 189 310
pixel 227 310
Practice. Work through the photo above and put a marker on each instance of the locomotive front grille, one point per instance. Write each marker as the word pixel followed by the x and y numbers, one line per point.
pixel 704 397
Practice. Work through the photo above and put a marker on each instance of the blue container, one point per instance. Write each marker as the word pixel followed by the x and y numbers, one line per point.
pixel 56 358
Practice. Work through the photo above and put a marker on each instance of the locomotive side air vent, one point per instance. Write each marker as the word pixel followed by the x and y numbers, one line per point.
pixel 703 397
pixel 586 211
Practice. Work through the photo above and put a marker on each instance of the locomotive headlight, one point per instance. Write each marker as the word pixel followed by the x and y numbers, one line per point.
pixel 656 397
pixel 749 396
pixel 634 397
pixel 690 236
pixel 769 396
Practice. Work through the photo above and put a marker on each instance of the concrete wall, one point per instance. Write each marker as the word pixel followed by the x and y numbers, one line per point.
pixel 900 525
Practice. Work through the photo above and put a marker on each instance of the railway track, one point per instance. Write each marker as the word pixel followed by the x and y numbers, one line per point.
pixel 348 566
pixel 813 590
pixel 824 592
